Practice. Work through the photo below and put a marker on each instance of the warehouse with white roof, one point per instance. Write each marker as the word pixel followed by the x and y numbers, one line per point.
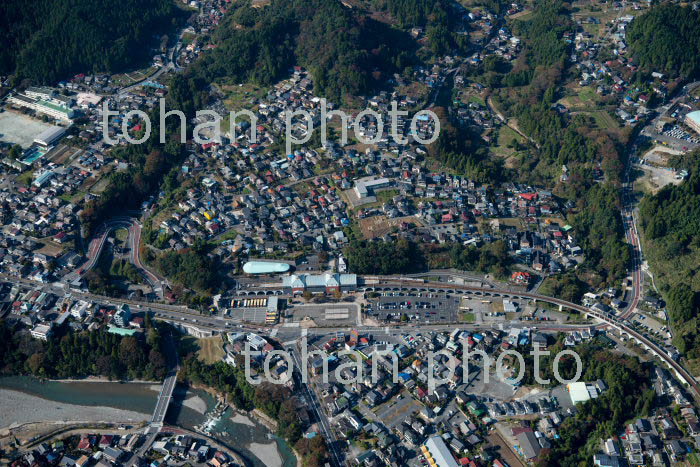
pixel 437 453
pixel 50 136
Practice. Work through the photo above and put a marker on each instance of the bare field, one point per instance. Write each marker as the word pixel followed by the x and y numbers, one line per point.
pixel 604 120
pixel 239 96
pixel 100 185
pixel 211 349
pixel 125 79
pixel 17 128
pixel 50 249
pixel 62 153
pixel 656 173
pixel 659 156
pixel 377 226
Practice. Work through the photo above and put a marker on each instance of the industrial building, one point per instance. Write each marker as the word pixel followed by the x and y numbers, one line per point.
pixel 43 178
pixel 529 445
pixel 582 392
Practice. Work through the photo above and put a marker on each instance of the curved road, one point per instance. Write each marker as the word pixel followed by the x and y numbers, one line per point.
pixel 174 312
pixel 615 322
pixel 402 282
pixel 134 240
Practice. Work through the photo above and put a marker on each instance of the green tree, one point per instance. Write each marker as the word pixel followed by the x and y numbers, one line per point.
pixel 15 152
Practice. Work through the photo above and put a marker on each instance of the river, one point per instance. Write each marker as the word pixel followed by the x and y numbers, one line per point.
pixel 252 440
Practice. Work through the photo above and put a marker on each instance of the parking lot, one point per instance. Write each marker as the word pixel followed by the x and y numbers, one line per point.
pixel 438 308
pixel 679 133
pixel 395 410
pixel 495 388
pixel 249 310
pixel 418 307
pixel 651 326
pixel 249 315
pixel 329 314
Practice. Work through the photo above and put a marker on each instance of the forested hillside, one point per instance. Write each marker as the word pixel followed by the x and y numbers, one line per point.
pixel 409 12
pixel 341 48
pixel 670 221
pixel 347 52
pixel 191 268
pixel 463 150
pixel 667 39
pixel 600 230
pixel 434 15
pixel 543 33
pixel 371 257
pixel 81 354
pixel 627 396
pixel 527 93
pixel 564 149
pixel 49 40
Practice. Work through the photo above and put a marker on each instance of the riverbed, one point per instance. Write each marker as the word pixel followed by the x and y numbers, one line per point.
pixel 26 400
pixel 19 408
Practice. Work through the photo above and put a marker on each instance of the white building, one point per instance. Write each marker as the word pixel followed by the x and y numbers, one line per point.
pixel 363 188
pixel 60 111
pixel 79 309
pixel 582 392
pixel 122 316
pixel 437 453
pixel 509 307
pixel 256 342
pixel 693 121
pixel 50 136
pixel 41 331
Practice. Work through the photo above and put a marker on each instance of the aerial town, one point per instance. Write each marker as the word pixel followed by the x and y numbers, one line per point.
pixel 366 298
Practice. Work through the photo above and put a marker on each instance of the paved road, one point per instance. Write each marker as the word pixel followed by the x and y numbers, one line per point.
pixel 615 322
pixel 632 235
pixel 164 398
pixel 629 203
pixel 97 244
pixel 673 143
pixel 93 254
pixel 155 280
pixel 172 312
pixel 171 65
pixel 166 391
pixel 327 431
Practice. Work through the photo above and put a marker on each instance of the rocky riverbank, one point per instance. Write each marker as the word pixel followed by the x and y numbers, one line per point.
pixel 17 408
